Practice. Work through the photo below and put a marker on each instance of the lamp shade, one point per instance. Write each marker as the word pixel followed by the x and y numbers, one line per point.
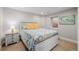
pixel 13 29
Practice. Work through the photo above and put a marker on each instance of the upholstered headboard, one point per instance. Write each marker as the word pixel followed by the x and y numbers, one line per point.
pixel 29 25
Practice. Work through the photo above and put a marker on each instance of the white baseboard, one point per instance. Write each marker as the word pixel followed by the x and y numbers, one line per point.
pixel 67 39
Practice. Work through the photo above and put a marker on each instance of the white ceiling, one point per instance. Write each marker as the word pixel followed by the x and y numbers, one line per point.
pixel 41 10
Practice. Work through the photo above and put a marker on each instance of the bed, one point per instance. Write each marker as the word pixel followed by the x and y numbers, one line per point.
pixel 38 39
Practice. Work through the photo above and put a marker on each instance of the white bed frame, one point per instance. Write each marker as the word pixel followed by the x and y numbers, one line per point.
pixel 47 44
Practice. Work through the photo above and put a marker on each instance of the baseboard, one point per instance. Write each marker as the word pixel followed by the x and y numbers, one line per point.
pixel 67 39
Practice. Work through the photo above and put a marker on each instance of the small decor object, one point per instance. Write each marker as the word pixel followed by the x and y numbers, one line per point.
pixel 55 22
pixel 67 20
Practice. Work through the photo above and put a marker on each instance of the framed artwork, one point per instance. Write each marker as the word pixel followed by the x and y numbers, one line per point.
pixel 55 21
pixel 67 20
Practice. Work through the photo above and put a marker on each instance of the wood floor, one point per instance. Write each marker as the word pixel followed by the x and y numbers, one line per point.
pixel 62 46
pixel 65 46
pixel 15 47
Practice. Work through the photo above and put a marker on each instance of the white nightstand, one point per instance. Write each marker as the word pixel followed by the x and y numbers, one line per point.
pixel 11 38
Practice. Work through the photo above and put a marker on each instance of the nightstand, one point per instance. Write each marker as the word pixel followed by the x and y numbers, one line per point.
pixel 11 38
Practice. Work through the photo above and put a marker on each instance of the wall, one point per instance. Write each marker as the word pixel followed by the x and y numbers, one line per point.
pixel 46 22
pixel 1 20
pixel 78 29
pixel 68 31
pixel 11 15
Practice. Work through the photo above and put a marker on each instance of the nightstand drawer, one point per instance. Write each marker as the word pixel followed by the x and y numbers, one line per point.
pixel 16 36
pixel 8 39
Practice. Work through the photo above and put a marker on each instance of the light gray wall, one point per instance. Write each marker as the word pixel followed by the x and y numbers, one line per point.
pixel 1 24
pixel 0 20
pixel 78 29
pixel 68 31
pixel 18 16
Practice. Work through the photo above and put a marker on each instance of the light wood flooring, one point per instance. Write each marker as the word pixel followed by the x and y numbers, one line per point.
pixel 62 46
pixel 15 47
pixel 65 46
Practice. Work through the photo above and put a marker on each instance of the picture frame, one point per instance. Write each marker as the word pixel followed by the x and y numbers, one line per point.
pixel 55 21
pixel 67 20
